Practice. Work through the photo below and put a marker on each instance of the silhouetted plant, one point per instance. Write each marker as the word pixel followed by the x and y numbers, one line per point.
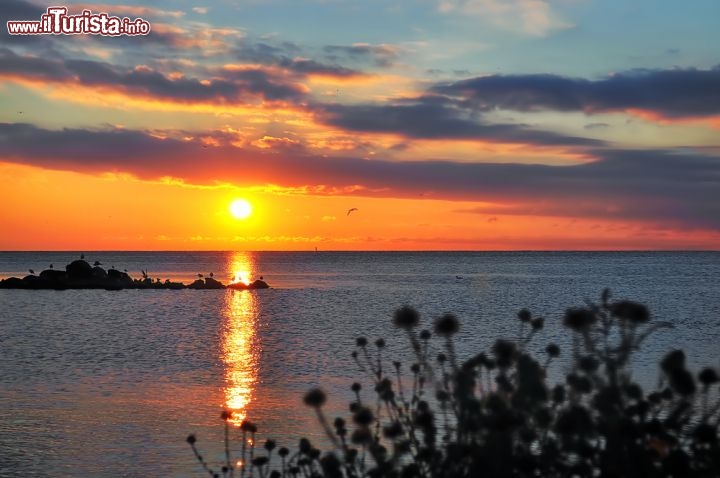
pixel 494 414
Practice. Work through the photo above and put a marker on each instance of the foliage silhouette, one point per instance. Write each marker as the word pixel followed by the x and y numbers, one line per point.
pixel 495 415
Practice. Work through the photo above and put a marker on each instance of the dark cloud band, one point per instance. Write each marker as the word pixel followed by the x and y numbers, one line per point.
pixel 670 93
pixel 671 188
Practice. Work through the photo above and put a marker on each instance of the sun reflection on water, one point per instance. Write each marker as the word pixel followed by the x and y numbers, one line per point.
pixel 241 346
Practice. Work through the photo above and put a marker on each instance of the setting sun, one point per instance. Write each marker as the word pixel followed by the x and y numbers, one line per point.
pixel 240 209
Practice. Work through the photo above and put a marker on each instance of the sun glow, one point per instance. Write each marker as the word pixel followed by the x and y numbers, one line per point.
pixel 240 209
pixel 240 276
pixel 241 349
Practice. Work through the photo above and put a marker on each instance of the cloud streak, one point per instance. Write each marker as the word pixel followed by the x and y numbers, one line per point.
pixel 529 17
pixel 436 117
pixel 676 93
pixel 226 87
pixel 670 188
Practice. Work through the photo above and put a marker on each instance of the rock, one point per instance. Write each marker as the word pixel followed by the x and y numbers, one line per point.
pixel 211 283
pixel 99 273
pixel 259 284
pixel 120 278
pixel 53 275
pixel 113 274
pixel 198 284
pixel 256 284
pixel 79 270
pixel 80 274
pixel 173 285
pixel 12 283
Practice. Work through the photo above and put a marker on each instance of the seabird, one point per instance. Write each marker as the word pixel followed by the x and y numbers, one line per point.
pixel 97 263
pixel 200 276
pixel 31 271
pixel 51 266
pixel 351 210
pixel 211 274
pixel 82 255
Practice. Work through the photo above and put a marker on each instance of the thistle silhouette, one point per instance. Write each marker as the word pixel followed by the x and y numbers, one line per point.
pixel 494 414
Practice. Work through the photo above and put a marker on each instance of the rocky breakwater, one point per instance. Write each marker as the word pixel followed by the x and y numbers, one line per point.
pixel 80 274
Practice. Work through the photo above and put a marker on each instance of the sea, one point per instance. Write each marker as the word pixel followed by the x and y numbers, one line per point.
pixel 98 383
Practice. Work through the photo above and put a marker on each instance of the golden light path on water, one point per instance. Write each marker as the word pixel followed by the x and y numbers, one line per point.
pixel 241 346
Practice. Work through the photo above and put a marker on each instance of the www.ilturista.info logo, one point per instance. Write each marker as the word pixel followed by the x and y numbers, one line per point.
pixel 57 22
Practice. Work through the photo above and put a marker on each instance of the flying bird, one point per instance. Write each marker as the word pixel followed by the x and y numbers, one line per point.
pixel 351 210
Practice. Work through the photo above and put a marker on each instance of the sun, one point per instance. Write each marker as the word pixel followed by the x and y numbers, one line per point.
pixel 240 209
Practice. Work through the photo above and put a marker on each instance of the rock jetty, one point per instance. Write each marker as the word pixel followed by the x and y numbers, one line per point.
pixel 80 274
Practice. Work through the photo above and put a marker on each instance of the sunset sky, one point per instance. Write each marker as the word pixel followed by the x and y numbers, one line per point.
pixel 448 124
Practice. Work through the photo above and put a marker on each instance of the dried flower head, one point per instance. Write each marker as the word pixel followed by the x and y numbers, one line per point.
pixel 708 376
pixel 447 325
pixel 524 315
pixel 406 317
pixel 315 398
pixel 552 350
pixel 630 311
pixel 363 417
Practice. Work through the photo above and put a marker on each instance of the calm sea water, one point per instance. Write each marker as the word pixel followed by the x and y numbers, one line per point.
pixel 105 384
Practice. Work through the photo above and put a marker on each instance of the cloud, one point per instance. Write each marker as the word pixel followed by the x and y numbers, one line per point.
pixel 436 117
pixel 592 126
pixel 227 87
pixel 286 56
pixel 200 10
pixel 307 66
pixel 124 10
pixel 22 10
pixel 529 17
pixel 675 93
pixel 666 187
pixel 382 55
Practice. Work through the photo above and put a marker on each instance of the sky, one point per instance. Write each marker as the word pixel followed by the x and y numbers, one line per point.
pixel 447 124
